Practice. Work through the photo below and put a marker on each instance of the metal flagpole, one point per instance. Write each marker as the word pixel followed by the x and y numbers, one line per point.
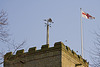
pixel 81 34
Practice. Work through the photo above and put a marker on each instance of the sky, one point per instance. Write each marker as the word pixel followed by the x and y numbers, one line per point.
pixel 26 22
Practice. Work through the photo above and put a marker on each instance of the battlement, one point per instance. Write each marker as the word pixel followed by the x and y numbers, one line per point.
pixel 58 46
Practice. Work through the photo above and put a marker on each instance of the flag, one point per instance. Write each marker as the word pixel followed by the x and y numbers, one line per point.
pixel 87 16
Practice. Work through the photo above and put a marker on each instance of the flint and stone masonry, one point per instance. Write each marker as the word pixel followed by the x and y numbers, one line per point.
pixel 57 56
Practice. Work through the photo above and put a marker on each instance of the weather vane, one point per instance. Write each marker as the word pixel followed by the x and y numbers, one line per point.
pixel 48 24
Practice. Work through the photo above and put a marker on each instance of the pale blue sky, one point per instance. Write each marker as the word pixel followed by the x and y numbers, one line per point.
pixel 26 17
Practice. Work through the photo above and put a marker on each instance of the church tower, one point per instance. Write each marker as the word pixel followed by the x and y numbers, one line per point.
pixel 57 56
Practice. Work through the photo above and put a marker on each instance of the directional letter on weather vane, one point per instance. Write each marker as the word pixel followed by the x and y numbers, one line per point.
pixel 48 23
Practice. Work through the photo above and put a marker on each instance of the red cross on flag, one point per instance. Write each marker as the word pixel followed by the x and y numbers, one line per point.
pixel 87 16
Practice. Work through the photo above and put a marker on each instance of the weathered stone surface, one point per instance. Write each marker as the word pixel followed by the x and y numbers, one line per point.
pixel 57 56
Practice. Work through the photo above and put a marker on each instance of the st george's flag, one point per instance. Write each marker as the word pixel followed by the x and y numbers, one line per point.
pixel 87 16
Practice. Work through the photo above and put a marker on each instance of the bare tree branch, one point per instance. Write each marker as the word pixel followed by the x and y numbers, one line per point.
pixel 3 23
pixel 96 57
pixel 16 47
pixel 4 37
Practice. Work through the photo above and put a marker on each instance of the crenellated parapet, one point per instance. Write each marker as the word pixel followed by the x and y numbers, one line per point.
pixel 32 50
pixel 58 46
pixel 20 52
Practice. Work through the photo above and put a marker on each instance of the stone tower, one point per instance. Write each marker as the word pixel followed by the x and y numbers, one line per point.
pixel 57 56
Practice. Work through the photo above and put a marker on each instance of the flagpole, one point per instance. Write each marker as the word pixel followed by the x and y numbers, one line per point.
pixel 81 33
